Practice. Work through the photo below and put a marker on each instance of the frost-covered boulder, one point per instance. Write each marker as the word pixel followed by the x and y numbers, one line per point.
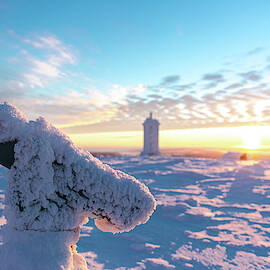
pixel 53 186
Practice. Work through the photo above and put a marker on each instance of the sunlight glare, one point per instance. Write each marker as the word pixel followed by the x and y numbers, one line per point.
pixel 251 138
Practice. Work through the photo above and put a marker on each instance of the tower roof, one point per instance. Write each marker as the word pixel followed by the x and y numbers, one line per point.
pixel 150 120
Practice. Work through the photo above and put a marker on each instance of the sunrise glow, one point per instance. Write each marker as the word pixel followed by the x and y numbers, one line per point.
pixel 247 137
pixel 251 138
pixel 97 79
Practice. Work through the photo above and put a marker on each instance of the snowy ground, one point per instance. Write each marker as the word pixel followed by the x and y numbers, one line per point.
pixel 211 214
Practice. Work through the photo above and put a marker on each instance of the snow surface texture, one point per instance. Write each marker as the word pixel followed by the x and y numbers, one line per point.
pixel 211 214
pixel 55 186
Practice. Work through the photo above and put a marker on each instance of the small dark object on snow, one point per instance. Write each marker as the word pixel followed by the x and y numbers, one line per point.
pixel 244 156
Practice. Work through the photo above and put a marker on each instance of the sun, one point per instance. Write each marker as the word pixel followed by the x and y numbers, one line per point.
pixel 251 138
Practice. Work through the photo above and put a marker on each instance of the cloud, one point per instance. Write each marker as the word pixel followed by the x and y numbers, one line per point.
pixel 45 68
pixel 255 51
pixel 251 75
pixel 60 52
pixel 139 89
pixel 183 87
pixel 155 96
pixel 33 80
pixel 81 107
pixel 213 77
pixel 234 86
pixel 104 126
pixel 12 90
pixel 170 80
pixel 47 63
pixel 94 111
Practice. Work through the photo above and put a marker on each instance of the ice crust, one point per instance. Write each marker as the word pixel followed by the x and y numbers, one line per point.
pixel 55 186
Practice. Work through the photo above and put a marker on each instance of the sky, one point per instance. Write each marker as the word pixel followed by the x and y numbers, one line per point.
pixel 95 69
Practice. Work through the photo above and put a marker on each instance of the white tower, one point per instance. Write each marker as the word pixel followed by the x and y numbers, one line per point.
pixel 151 140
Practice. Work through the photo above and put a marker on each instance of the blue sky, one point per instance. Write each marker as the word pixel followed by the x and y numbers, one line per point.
pixel 96 66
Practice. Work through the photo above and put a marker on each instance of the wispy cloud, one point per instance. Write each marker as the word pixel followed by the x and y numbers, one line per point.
pixel 40 60
pixel 33 80
pixel 212 80
pixel 255 51
pixel 60 53
pixel 233 86
pixel 212 77
pixel 54 56
pixel 212 110
pixel 252 75
pixel 216 99
pixel 172 79
pixel 46 68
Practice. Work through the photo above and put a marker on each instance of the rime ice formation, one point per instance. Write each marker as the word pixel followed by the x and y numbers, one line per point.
pixel 12 123
pixel 54 186
pixel 32 250
pixel 151 136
